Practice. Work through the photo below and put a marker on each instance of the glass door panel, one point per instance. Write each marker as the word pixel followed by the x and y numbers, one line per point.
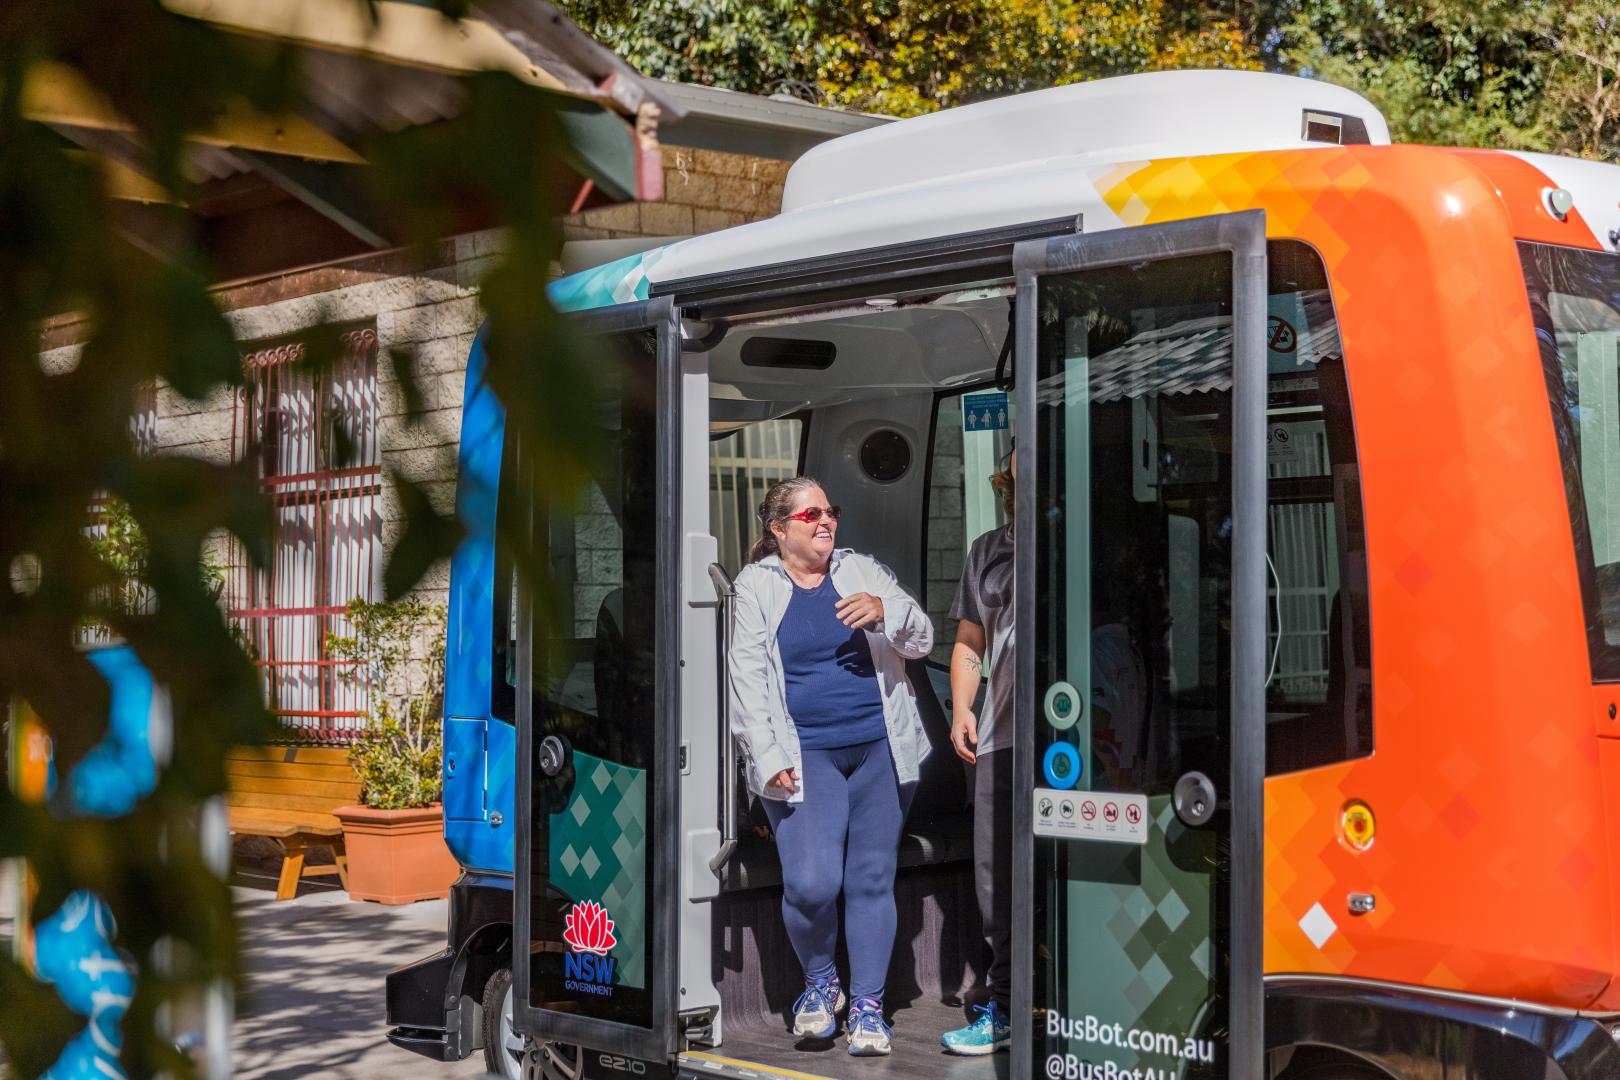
pixel 1137 448
pixel 595 720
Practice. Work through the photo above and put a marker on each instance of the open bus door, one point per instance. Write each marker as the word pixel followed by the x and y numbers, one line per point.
pixel 597 692
pixel 1141 585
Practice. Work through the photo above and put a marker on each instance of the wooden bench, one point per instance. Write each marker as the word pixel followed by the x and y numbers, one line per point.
pixel 288 793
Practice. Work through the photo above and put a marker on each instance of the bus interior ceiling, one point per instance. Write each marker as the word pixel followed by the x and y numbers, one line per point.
pixel 861 371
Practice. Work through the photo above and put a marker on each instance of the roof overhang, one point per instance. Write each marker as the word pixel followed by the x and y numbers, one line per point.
pixel 732 122
pixel 369 70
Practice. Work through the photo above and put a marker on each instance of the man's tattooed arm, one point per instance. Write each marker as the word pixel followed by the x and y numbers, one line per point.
pixel 974 663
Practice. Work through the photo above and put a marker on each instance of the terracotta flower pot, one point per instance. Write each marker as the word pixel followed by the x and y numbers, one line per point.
pixel 397 856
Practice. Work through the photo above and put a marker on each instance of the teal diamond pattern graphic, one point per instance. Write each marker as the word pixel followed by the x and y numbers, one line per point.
pixel 598 851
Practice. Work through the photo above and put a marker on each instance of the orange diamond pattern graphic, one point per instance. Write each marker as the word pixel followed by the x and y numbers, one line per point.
pixel 1491 865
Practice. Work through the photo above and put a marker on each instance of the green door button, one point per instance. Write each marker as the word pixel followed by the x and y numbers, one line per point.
pixel 1063 705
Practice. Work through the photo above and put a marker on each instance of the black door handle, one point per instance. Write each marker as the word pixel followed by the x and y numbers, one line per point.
pixel 1194 799
pixel 553 755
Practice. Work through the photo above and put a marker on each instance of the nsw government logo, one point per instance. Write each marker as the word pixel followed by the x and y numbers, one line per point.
pixel 588 968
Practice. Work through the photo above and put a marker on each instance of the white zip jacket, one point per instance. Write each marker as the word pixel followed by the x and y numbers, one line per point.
pixel 759 714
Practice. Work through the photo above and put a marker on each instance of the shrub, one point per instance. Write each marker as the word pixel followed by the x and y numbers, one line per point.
pixel 398 651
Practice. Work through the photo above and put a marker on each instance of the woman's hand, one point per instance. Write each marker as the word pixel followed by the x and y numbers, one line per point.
pixel 965 735
pixel 785 780
pixel 859 611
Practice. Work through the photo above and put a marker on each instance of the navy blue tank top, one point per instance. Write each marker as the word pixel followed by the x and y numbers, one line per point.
pixel 832 687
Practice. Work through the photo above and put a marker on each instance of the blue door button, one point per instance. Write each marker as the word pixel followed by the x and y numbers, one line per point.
pixel 1062 765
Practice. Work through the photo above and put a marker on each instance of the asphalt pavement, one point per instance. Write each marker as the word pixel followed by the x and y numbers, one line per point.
pixel 312 1003
pixel 312 1000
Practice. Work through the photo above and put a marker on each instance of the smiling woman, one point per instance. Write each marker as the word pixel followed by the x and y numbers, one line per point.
pixel 822 707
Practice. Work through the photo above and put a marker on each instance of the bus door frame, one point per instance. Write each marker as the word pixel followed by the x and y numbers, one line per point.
pixel 544 1025
pixel 1242 235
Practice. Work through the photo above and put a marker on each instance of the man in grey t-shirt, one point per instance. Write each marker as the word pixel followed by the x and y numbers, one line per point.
pixel 983 610
pixel 984 598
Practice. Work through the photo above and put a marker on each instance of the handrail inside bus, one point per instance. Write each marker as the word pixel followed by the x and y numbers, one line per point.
pixel 728 759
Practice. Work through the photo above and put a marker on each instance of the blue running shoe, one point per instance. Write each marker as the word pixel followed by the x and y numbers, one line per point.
pixel 815 1014
pixel 868 1034
pixel 992 1031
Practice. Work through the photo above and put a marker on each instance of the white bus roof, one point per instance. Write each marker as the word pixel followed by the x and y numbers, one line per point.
pixel 1132 118
pixel 1017 159
pixel 1026 158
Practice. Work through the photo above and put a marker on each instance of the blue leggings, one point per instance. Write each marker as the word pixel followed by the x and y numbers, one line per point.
pixel 843 838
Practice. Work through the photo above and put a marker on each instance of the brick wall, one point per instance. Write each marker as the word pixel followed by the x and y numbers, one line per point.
pixel 704 191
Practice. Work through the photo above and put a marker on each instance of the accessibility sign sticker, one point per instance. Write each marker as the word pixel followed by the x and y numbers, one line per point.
pixel 984 412
pixel 1084 815
pixel 1062 765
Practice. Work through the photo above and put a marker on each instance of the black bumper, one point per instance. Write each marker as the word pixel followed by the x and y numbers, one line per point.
pixel 1421 1034
pixel 417 1015
pixel 432 1005
pixel 430 1044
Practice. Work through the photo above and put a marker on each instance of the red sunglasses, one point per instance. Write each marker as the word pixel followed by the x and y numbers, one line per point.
pixel 812 514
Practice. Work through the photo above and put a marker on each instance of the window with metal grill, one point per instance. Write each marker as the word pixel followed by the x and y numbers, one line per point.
pixel 313 432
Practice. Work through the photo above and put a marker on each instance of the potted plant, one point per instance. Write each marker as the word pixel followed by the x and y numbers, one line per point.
pixel 395 838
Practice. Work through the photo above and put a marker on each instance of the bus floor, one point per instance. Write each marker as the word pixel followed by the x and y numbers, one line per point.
pixel 765 1050
pixel 938 958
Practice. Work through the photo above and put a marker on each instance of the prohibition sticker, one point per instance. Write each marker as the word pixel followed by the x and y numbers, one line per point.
pixel 1062 705
pixel 1281 445
pixel 1113 818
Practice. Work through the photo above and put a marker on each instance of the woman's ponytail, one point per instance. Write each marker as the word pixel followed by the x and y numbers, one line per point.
pixel 774 510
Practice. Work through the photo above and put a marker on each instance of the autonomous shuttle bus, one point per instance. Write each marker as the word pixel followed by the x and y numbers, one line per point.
pixel 1324 431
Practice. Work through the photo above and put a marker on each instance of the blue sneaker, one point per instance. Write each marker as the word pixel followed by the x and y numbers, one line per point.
pixel 868 1034
pixel 992 1031
pixel 815 1014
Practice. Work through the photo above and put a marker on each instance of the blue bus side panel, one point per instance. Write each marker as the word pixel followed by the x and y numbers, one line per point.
pixel 472 569
pixel 468 645
pixel 478 842
pixel 464 769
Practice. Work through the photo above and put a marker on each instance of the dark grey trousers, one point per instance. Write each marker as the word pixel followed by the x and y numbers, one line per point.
pixel 992 864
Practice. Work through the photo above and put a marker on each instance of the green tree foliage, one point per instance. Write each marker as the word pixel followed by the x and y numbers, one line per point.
pixel 1441 71
pixel 1582 102
pixel 757 47
pixel 65 450
pixel 398 650
pixel 1526 74
pixel 904 57
pixel 1523 74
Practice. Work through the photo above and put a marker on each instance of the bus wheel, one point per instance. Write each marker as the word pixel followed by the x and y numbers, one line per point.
pixel 504 1048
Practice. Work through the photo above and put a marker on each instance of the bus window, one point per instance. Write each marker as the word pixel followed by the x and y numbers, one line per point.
pixel 972 436
pixel 1575 299
pixel 591 664
pixel 1319 683
pixel 743 464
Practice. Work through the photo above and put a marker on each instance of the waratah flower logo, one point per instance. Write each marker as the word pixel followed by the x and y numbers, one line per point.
pixel 587 928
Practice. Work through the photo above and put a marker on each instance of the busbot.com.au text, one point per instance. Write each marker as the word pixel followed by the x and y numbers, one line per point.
pixel 1090 1030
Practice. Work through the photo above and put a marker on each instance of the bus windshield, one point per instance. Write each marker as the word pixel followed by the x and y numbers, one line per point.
pixel 1575 299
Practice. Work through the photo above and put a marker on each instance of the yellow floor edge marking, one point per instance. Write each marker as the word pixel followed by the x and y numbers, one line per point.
pixel 738 1064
